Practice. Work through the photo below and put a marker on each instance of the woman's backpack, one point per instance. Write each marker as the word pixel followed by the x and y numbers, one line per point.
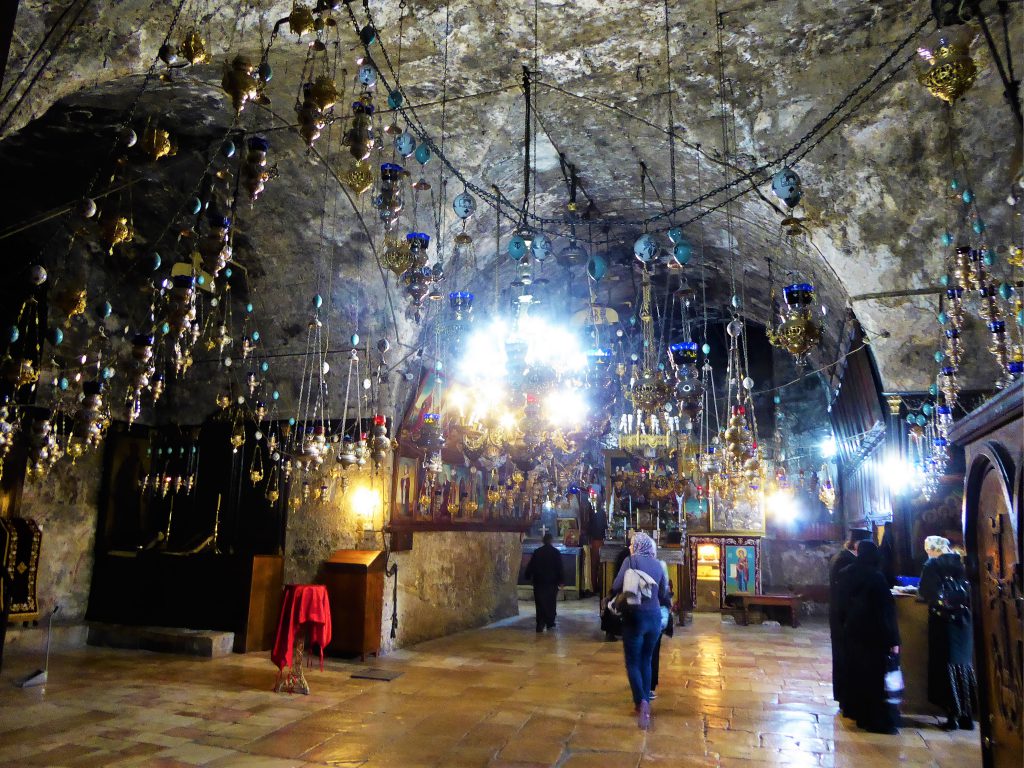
pixel 953 598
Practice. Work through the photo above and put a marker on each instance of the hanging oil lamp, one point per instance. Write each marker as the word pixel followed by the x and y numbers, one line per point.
pixel 256 467
pixel 360 136
pixel 318 96
pixel 379 443
pixel 241 82
pixel 8 430
pixel 689 388
pixel 181 314
pixel 461 303
pixel 254 173
pixel 115 230
pixel 397 255
pixel 43 452
pixel 156 142
pixel 389 200
pixel 947 70
pixel 142 371
pixel 417 243
pixel 415 283
pixel 273 491
pixel 91 420
pixel 193 48
pixel 215 247
pixel 797 331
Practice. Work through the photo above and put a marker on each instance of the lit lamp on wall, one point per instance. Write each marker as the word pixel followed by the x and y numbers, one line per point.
pixel 365 504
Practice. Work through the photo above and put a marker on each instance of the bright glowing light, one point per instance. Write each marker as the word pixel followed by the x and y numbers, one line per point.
pixel 707 552
pixel 507 420
pixel 484 356
pixel 364 501
pixel 898 474
pixel 565 407
pixel 551 345
pixel 457 399
pixel 828 447
pixel 485 359
pixel 783 506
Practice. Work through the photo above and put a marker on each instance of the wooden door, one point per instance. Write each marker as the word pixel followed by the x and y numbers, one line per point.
pixel 994 542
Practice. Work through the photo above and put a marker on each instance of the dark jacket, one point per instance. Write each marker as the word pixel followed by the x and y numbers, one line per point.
pixel 950 640
pixel 545 566
pixel 935 570
pixel 841 560
pixel 597 523
pixel 867 610
pixel 866 614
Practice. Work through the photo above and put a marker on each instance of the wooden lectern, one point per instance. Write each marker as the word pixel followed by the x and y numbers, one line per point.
pixel 355 586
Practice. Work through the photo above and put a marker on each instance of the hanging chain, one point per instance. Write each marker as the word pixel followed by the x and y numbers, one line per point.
pixel 789 156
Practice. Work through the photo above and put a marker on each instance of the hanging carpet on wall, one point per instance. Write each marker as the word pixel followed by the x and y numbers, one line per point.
pixel 20 539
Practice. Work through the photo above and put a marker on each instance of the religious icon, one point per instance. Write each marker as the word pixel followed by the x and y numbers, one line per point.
pixel 568 527
pixel 738 569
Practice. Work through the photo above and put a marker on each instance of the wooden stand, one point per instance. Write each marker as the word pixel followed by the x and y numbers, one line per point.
pixel 355 587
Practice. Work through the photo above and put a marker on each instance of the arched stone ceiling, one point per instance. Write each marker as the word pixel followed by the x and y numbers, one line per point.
pixel 872 189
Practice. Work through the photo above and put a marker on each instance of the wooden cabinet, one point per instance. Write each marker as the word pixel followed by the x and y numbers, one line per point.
pixel 355 586
pixel 230 593
pixel 993 441
pixel 265 592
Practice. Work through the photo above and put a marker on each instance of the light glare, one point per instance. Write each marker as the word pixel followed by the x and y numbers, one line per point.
pixel 828 447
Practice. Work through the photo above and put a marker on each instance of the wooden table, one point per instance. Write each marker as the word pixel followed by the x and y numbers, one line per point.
pixel 746 602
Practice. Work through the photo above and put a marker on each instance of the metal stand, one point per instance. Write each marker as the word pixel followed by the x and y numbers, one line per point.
pixel 294 680
pixel 40 676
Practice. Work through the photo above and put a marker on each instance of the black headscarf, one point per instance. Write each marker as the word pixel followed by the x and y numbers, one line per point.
pixel 868 554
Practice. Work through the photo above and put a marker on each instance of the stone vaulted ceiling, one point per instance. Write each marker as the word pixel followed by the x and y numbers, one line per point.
pixel 872 187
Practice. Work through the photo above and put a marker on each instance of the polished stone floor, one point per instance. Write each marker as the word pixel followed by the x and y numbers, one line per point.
pixel 498 696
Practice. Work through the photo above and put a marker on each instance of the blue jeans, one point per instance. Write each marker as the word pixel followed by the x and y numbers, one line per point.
pixel 639 636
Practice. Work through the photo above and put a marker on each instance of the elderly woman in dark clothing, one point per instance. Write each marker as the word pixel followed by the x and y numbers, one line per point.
pixel 867 614
pixel 641 627
pixel 944 586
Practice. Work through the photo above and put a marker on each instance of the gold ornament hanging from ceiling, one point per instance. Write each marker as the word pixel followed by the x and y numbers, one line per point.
pixel 950 70
pixel 649 391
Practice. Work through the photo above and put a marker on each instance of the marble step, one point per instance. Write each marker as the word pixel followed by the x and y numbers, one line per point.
pixel 186 642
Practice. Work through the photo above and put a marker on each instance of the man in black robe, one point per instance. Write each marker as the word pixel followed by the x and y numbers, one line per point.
pixel 867 614
pixel 545 571
pixel 840 560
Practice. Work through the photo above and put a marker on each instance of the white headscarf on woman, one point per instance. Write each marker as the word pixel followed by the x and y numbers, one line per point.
pixel 937 544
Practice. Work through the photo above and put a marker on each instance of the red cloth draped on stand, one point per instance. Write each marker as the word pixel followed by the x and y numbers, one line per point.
pixel 305 608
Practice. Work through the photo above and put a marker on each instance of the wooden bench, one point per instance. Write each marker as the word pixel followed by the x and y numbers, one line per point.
pixel 746 602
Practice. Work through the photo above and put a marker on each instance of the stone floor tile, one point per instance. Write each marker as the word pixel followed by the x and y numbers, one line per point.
pixel 524 748
pixel 253 761
pixel 195 754
pixel 500 697
pixel 602 760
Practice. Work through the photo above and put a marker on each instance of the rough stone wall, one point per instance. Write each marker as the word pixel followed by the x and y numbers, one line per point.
pixel 448 582
pixel 66 504
pixel 797 566
pixel 452 581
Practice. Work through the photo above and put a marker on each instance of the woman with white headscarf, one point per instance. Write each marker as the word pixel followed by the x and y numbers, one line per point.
pixel 951 681
pixel 642 625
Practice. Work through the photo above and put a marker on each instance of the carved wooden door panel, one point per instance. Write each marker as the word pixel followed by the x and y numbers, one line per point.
pixel 1000 646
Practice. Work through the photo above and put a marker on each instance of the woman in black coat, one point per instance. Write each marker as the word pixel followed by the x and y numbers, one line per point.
pixel 845 557
pixel 951 682
pixel 867 613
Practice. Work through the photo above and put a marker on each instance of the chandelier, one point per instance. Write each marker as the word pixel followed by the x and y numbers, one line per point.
pixel 797 332
pixel 732 465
